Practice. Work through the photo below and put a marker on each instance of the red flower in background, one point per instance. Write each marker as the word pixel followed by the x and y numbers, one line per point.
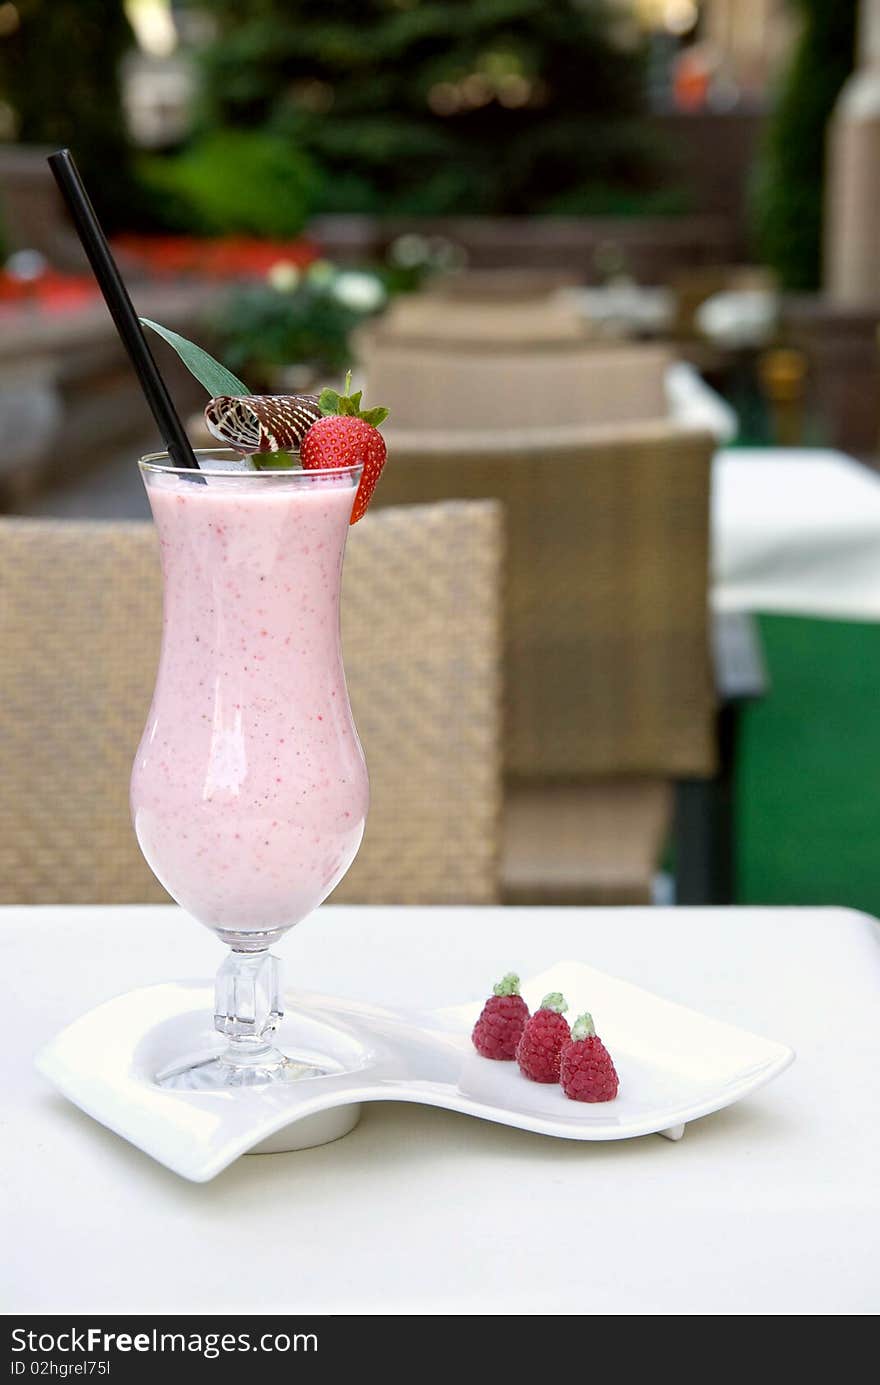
pixel 231 257
pixel 50 291
pixel 160 257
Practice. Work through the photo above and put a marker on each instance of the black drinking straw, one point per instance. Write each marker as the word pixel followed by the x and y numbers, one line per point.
pixel 122 311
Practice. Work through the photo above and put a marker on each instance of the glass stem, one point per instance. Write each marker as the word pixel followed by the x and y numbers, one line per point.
pixel 248 1005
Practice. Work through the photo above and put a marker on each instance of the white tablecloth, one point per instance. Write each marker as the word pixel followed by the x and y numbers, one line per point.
pixel 769 1207
pixel 796 531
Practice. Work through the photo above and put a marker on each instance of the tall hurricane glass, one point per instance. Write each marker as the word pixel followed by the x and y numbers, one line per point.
pixel 249 791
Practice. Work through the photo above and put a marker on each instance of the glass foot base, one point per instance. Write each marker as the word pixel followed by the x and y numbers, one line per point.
pixel 222 1074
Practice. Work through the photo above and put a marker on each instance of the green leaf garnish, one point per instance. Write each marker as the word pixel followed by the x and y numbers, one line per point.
pixel 375 416
pixel 276 461
pixel 332 403
pixel 215 378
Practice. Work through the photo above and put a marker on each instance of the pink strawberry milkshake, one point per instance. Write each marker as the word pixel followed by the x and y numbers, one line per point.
pixel 249 791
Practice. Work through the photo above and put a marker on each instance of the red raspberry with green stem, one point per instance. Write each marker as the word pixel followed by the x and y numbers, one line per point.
pixel 502 1020
pixel 586 1071
pixel 539 1049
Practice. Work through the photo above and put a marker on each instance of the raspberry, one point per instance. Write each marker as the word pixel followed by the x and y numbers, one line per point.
pixel 587 1072
pixel 502 1021
pixel 542 1040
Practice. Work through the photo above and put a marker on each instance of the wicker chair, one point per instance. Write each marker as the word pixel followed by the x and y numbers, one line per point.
pixel 608 685
pixel 431 387
pixel 79 630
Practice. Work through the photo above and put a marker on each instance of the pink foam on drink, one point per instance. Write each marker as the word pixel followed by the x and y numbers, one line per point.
pixel 249 791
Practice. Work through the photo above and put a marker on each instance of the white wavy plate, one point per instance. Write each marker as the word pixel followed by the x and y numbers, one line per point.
pixel 674 1066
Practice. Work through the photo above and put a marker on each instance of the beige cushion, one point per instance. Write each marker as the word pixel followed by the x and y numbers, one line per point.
pixel 429 319
pixel 472 388
pixel 506 284
pixel 592 843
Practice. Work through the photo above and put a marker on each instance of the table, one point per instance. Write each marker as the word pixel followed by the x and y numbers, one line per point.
pixel 795 531
pixel 769 1207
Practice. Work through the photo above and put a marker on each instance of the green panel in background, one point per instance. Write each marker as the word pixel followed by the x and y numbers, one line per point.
pixel 808 788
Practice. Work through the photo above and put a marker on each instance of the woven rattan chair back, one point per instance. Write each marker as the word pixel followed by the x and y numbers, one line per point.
pixel 471 389
pixel 80 620
pixel 606 665
pixel 422 632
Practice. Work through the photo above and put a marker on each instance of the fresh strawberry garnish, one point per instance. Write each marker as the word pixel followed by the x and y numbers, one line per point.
pixel 345 436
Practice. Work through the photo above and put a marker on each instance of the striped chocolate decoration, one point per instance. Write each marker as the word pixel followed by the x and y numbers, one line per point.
pixel 262 422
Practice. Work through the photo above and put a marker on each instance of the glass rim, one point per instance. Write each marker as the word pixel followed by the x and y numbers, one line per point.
pixel 157 463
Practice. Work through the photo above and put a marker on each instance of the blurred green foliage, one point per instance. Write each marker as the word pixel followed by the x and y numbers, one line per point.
pixel 441 106
pixel 308 320
pixel 234 181
pixel 59 71
pixel 787 203
pixel 261 329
